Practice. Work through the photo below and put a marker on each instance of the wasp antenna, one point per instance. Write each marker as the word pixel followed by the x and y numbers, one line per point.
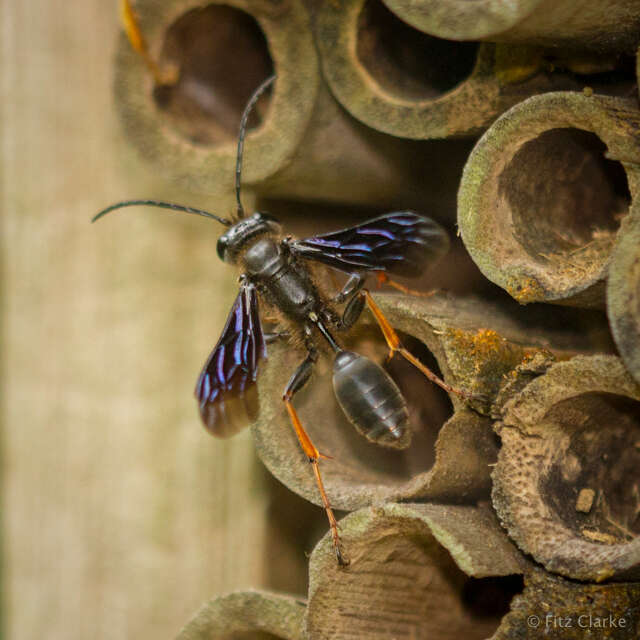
pixel 162 205
pixel 243 130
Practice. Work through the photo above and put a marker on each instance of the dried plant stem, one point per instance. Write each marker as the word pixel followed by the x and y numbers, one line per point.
pixel 597 24
pixel 544 192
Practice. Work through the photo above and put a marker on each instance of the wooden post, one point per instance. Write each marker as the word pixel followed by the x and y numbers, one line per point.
pixel 120 514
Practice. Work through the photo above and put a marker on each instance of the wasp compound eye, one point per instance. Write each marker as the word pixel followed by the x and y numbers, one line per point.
pixel 221 248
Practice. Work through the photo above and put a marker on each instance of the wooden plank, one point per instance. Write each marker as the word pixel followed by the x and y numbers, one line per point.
pixel 121 514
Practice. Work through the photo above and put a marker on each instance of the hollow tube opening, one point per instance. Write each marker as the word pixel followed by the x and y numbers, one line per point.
pixel 490 598
pixel 221 56
pixel 429 405
pixel 405 62
pixel 565 200
pixel 431 597
pixel 593 478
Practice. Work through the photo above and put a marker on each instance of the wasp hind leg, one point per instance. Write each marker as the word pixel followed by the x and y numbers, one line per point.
pixel 353 290
pixel 396 346
pixel 299 378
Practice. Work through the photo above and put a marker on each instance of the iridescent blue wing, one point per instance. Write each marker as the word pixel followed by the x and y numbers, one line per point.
pixel 225 388
pixel 401 243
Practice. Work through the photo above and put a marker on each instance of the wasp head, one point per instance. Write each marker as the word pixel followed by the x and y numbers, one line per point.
pixel 237 238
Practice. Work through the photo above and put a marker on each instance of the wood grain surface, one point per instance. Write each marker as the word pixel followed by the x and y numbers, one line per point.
pixel 120 514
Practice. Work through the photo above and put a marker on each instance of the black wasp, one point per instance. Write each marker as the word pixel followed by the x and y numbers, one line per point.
pixel 276 270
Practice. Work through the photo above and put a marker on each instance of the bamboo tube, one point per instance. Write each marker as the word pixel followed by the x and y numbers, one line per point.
pixel 406 83
pixel 427 571
pixel 247 612
pixel 306 146
pixel 417 571
pixel 552 607
pixel 567 483
pixel 623 294
pixel 452 445
pixel 543 194
pixel 190 128
pixel 594 24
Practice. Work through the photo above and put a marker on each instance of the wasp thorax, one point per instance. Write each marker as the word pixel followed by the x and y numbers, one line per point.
pixel 235 240
pixel 263 258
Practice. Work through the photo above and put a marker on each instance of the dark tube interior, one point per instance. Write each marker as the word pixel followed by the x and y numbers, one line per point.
pixel 594 485
pixel 408 63
pixel 566 198
pixel 222 56
pixel 487 598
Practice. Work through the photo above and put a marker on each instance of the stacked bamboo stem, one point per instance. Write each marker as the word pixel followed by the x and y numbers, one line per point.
pixel 306 146
pixel 533 485
pixel 585 24
pixel 545 191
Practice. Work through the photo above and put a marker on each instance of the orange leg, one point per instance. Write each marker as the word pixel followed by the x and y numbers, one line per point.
pixel 383 278
pixel 395 346
pixel 313 455
pixel 134 34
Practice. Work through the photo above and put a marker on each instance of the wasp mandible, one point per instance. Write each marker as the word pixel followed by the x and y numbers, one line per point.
pixel 276 271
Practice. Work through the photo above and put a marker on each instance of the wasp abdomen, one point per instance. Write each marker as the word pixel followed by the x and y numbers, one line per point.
pixel 371 400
